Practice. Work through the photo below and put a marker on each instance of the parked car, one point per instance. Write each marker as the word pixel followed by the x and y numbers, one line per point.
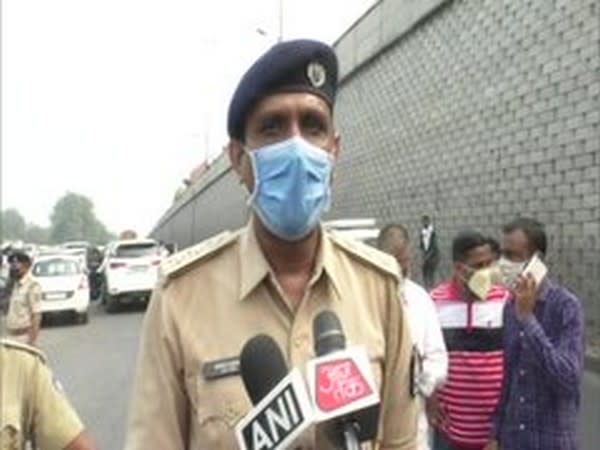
pixel 364 230
pixel 130 272
pixel 64 285
pixel 4 294
pixel 76 248
pixel 3 284
pixel 47 250
pixel 30 249
pixel 71 245
pixel 79 253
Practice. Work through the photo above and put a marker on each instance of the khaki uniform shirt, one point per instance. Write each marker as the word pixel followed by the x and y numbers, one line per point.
pixel 25 301
pixel 221 293
pixel 32 406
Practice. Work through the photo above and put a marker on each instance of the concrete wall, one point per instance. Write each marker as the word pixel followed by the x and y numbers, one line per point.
pixel 472 111
pixel 214 204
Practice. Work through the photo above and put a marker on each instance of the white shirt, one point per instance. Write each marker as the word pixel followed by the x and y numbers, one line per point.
pixel 427 336
pixel 426 234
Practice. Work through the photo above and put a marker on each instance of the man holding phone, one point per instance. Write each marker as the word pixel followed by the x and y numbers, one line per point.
pixel 543 349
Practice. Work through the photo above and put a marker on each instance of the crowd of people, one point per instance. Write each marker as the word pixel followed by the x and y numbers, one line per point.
pixel 489 358
pixel 502 351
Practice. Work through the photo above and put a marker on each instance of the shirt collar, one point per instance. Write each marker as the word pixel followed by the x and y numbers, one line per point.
pixel 254 267
pixel 327 263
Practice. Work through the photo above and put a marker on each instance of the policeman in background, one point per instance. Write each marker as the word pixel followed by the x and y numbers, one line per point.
pixel 273 276
pixel 24 316
pixel 33 408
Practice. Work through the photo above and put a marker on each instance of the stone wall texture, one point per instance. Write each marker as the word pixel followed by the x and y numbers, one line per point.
pixel 476 112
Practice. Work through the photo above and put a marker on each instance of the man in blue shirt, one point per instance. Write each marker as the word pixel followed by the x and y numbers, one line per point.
pixel 543 345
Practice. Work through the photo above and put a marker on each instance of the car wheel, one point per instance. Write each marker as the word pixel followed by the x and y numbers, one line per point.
pixel 82 318
pixel 111 303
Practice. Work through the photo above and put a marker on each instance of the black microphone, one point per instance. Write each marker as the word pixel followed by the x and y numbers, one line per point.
pixel 327 333
pixel 282 409
pixel 355 424
pixel 262 366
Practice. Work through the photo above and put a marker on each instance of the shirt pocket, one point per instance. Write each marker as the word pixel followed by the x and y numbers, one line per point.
pixel 218 405
pixel 11 434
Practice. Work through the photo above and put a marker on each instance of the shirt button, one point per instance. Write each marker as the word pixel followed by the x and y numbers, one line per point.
pixel 522 372
pixel 522 400
pixel 521 427
pixel 521 334
pixel 299 341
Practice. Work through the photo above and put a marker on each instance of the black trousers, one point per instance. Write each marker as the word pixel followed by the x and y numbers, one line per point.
pixel 430 264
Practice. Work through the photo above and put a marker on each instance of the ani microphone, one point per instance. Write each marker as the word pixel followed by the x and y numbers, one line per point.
pixel 282 409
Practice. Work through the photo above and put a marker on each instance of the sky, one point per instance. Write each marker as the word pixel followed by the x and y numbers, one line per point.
pixel 119 100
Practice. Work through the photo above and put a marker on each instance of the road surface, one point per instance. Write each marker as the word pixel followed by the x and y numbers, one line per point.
pixel 95 363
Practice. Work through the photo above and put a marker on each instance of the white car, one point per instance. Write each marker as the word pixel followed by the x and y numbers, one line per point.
pixel 72 245
pixel 364 230
pixel 76 248
pixel 130 271
pixel 64 285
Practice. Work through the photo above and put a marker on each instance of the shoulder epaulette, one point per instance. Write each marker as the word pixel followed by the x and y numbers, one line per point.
pixel 367 254
pixel 9 343
pixel 181 261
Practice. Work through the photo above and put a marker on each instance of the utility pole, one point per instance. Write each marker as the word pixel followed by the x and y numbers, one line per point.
pixel 280 37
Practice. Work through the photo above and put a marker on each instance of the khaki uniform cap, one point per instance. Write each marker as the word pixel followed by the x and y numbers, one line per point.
pixel 217 295
pixel 32 405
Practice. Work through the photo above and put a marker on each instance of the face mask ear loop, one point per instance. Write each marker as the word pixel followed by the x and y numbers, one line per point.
pixel 255 176
pixel 327 205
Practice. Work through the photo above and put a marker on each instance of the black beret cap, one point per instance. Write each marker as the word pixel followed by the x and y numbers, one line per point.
pixel 293 66
pixel 19 256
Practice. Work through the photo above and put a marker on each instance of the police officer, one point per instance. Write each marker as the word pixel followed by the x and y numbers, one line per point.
pixel 273 276
pixel 33 407
pixel 24 316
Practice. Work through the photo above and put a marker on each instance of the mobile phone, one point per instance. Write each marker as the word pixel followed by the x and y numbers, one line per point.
pixel 536 267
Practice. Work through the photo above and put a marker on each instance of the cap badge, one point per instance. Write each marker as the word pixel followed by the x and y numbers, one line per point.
pixel 316 74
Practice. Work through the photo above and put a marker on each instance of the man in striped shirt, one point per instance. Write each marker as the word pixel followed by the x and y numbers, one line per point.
pixel 470 308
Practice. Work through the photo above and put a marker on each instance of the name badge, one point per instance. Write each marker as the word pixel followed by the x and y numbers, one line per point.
pixel 220 368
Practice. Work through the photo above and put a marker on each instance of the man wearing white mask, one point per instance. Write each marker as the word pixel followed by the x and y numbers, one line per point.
pixel 544 349
pixel 470 312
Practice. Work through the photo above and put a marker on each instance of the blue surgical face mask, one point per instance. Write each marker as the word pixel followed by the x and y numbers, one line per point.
pixel 291 187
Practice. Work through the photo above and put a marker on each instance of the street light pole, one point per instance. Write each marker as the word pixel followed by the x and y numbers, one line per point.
pixel 280 37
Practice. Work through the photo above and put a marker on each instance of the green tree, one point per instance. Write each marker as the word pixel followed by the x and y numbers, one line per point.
pixel 73 218
pixel 12 225
pixel 37 234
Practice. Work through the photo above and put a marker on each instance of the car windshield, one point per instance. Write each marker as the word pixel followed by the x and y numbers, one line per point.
pixel 55 268
pixel 136 250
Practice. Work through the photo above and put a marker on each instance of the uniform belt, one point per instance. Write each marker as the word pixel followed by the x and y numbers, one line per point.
pixel 18 331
